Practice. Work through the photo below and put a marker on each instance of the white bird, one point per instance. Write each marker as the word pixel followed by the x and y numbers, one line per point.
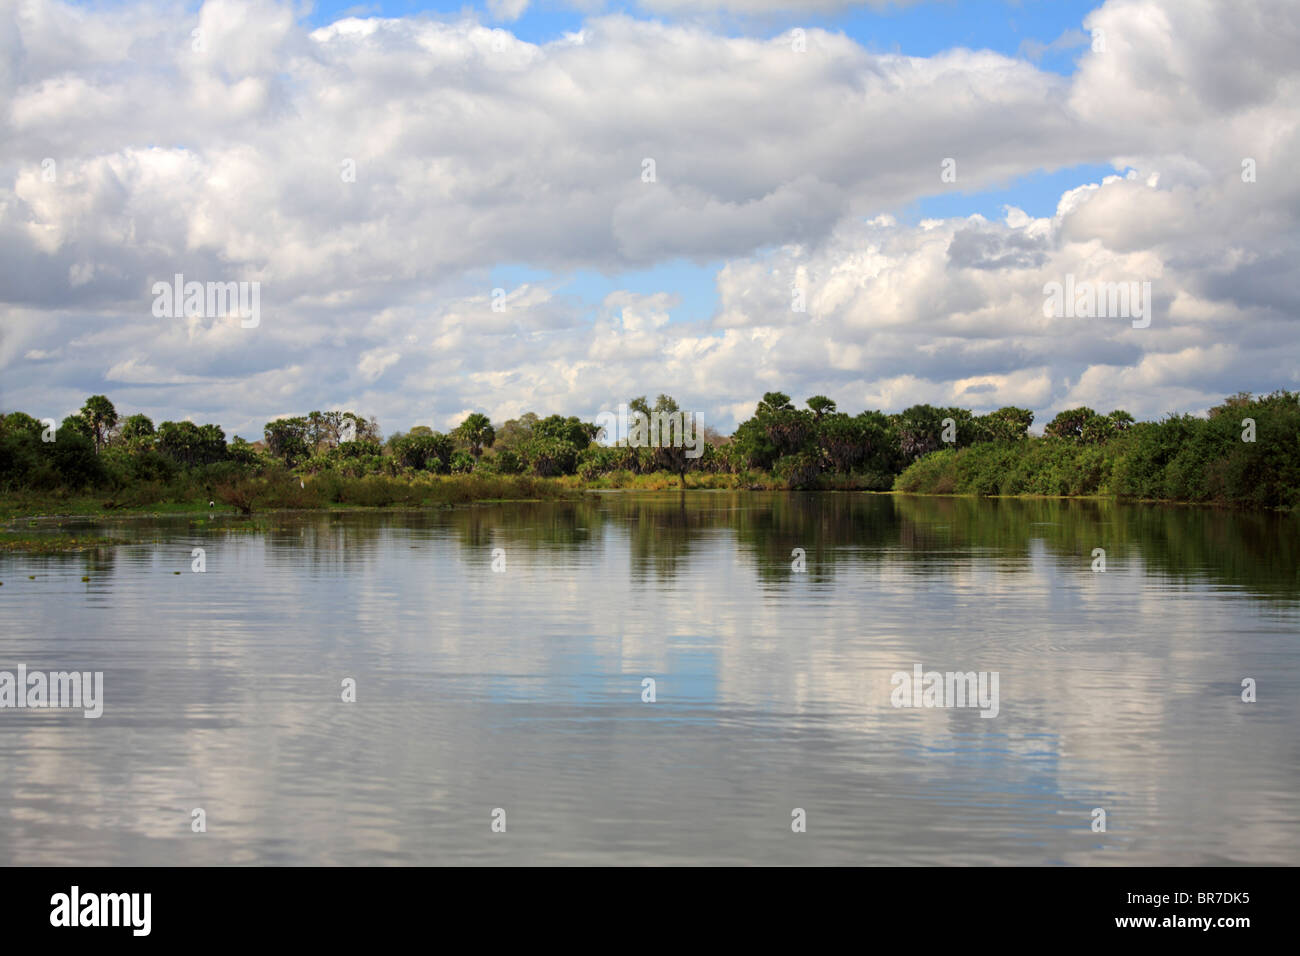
pixel 300 484
pixel 212 504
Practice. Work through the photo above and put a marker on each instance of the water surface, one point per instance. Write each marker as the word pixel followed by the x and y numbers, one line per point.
pixel 521 689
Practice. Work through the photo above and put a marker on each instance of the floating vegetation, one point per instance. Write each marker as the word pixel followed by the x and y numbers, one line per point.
pixel 55 543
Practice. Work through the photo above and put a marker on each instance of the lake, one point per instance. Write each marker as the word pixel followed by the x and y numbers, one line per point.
pixel 523 689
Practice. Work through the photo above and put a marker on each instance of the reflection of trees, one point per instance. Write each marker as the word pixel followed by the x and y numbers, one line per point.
pixel 538 526
pixel 346 539
pixel 1005 527
pixel 98 563
pixel 95 563
pixel 830 527
pixel 661 530
pixel 317 540
pixel 1257 552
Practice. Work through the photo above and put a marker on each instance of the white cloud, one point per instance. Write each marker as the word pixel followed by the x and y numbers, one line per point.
pixel 374 362
pixel 507 9
pixel 473 150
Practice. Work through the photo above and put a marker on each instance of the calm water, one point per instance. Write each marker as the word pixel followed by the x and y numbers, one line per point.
pixel 522 689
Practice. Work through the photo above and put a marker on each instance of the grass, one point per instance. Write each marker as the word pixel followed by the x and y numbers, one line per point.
pixel 54 543
pixel 321 493
pixel 28 505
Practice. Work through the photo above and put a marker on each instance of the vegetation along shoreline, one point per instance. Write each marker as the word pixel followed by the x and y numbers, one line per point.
pixel 1244 454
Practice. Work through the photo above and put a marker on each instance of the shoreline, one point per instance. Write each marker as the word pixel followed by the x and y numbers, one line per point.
pixel 90 511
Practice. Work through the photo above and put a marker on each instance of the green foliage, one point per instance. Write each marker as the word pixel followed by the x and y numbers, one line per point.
pixel 919 430
pixel 144 465
pixel 821 405
pixel 20 422
pixel 577 433
pixel 1182 458
pixel 507 462
pixel 287 438
pixel 189 444
pixel 548 457
pixel 79 425
pixel 100 417
pixel 24 459
pixel 777 430
pixel 753 447
pixel 376 491
pixel 1007 424
pixel 922 429
pixel 73 456
pixel 1247 453
pixel 325 431
pixel 800 470
pixel 515 432
pixel 845 442
pixel 1084 426
pixel 431 452
pixel 136 427
pixel 598 460
pixel 477 432
pixel 772 403
pixel 241 452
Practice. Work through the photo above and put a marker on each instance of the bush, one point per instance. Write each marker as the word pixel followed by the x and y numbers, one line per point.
pixel 1182 458
pixel 550 457
pixel 239 493
pixel 506 462
pixel 74 458
pixel 799 471
pixel 375 491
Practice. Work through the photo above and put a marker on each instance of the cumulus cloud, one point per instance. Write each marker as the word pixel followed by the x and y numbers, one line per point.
pixel 507 9
pixel 370 174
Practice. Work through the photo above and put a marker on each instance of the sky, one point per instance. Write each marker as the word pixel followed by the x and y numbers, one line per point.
pixel 449 207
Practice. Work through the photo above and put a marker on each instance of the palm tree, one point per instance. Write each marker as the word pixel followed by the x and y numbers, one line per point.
pixel 477 432
pixel 100 416
pixel 821 405
pixel 772 403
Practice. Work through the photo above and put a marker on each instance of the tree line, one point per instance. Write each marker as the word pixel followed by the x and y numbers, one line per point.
pixel 923 448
